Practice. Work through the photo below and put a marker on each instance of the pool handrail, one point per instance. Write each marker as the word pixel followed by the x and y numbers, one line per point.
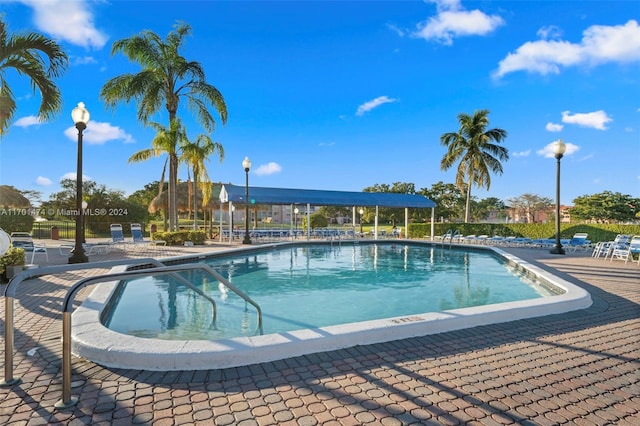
pixel 9 295
pixel 67 307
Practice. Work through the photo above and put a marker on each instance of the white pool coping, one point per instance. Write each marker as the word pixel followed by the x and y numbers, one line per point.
pixel 94 342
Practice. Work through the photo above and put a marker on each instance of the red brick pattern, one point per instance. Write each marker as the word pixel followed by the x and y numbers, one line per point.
pixel 579 368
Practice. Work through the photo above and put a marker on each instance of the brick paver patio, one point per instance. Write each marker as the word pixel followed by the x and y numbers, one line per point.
pixel 577 368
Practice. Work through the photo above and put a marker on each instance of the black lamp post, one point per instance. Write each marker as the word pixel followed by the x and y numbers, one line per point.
pixel 246 165
pixel 559 149
pixel 80 117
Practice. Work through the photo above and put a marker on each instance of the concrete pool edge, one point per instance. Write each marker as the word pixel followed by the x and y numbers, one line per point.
pixel 92 341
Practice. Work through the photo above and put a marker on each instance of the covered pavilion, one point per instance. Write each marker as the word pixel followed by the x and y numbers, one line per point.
pixel 234 194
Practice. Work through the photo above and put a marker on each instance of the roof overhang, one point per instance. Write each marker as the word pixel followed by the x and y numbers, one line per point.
pixel 284 196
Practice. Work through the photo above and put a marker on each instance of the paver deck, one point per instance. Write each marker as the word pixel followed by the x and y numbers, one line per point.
pixel 579 368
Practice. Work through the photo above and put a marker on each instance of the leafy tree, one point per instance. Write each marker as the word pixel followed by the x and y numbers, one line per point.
pixel 606 206
pixel 448 198
pixel 334 212
pixel 317 221
pixel 165 79
pixel 195 153
pixel 483 208
pixel 144 196
pixel 103 204
pixel 166 141
pixel 472 147
pixel 36 57
pixel 388 214
pixel 529 204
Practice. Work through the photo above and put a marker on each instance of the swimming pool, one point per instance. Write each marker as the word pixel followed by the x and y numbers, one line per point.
pixel 390 299
pixel 316 286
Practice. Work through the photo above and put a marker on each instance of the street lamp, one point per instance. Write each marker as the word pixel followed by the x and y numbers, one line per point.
pixel 361 211
pixel 559 149
pixel 80 117
pixel 246 165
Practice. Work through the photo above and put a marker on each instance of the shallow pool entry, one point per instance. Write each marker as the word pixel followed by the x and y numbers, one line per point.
pixel 318 285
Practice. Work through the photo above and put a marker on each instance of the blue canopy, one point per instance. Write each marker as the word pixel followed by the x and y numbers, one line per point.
pixel 282 196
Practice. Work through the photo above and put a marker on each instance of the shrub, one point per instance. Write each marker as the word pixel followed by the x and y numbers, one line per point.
pixel 13 256
pixel 178 238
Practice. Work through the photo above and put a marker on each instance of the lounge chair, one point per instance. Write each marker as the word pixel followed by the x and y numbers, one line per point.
pixel 117 237
pixel 606 248
pixel 139 240
pixel 626 253
pixel 579 242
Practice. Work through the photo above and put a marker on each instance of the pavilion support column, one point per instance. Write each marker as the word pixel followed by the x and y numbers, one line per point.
pixel 230 222
pixel 308 221
pixel 406 222
pixel 433 218
pixel 375 225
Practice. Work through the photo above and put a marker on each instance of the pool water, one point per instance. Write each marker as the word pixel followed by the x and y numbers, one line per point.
pixel 312 286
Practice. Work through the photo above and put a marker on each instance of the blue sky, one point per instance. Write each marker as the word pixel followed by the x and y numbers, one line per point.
pixel 344 95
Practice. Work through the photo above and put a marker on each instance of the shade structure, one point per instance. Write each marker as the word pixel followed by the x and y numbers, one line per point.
pixel 184 198
pixel 314 197
pixel 12 198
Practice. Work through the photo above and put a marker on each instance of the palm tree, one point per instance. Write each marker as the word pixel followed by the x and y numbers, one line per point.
pixel 166 141
pixel 166 78
pixel 25 53
pixel 472 146
pixel 195 153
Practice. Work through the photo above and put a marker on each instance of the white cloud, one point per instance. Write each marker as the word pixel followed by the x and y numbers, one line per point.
pixel 553 127
pixel 548 32
pixel 43 181
pixel 71 21
pixel 72 175
pixel 28 121
pixel 327 144
pixel 595 120
pixel 521 153
pixel 268 169
pixel 98 133
pixel 396 30
pixel 547 151
pixel 374 103
pixel 83 60
pixel 599 44
pixel 453 21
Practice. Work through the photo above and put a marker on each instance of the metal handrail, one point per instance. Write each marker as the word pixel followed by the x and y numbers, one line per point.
pixel 67 400
pixel 9 295
pixel 455 234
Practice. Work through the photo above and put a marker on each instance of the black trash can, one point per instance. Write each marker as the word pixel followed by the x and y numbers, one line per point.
pixel 55 234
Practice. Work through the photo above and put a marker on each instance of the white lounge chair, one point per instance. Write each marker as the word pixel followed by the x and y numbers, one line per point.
pixel 626 253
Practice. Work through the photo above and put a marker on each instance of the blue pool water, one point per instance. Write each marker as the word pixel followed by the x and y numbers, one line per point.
pixel 311 286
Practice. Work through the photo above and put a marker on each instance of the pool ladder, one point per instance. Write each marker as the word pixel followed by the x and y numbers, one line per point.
pixel 67 306
pixel 451 235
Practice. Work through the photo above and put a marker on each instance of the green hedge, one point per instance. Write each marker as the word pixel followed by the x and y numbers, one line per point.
pixel 596 232
pixel 13 256
pixel 179 237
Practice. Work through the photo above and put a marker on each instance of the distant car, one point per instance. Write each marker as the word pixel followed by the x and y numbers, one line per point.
pixel 23 240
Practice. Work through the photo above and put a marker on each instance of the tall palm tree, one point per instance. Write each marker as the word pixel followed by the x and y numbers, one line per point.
pixel 473 146
pixel 195 153
pixel 166 141
pixel 165 79
pixel 25 53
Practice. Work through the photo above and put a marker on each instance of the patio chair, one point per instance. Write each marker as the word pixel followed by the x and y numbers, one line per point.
pixel 139 240
pixel 606 249
pixel 579 242
pixel 626 253
pixel 117 237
